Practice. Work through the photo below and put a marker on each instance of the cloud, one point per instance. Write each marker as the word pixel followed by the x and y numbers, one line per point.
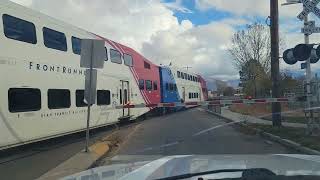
pixel 201 47
pixel 126 21
pixel 248 8
pixel 177 6
pixel 151 28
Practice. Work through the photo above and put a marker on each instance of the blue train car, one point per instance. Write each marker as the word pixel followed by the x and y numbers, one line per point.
pixel 168 87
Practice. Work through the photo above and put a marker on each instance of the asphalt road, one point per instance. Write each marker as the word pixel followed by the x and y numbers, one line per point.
pixel 194 132
pixel 188 132
pixel 32 161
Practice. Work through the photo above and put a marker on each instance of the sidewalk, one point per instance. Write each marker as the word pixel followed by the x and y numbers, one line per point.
pixel 226 113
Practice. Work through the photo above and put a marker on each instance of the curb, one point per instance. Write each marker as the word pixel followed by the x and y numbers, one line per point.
pixel 79 162
pixel 278 139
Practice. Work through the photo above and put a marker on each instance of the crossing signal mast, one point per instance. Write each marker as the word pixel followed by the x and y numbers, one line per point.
pixel 306 52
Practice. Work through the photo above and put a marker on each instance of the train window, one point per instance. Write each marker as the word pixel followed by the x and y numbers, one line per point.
pixel 76 45
pixel 148 85
pixel 189 95
pixel 115 56
pixel 182 76
pixel 141 84
pixel 103 97
pixel 125 94
pixel 106 59
pixel 146 65
pixel 54 39
pixel 128 60
pixel 19 29
pixel 193 78
pixel 24 99
pixel 185 76
pixel 189 77
pixel 58 98
pixel 171 86
pixel 155 85
pixel 167 86
pixel 80 98
pixel 120 96
pixel 178 74
pixel 175 87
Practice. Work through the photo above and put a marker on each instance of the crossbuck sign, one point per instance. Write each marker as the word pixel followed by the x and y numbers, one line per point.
pixel 309 6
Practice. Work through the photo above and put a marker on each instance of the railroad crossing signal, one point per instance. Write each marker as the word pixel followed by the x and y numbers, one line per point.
pixel 301 52
pixel 309 6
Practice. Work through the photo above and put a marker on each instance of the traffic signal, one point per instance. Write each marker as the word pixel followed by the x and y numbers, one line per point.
pixel 301 52
pixel 288 57
pixel 314 58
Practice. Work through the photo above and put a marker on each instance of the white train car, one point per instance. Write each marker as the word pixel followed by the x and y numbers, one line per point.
pixel 41 92
pixel 189 85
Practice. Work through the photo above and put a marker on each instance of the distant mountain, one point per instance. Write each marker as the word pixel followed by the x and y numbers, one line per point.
pixel 211 85
pixel 233 83
pixel 214 84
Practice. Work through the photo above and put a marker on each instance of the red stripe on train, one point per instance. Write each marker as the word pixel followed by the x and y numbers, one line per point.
pixel 151 105
pixel 260 100
pixel 237 101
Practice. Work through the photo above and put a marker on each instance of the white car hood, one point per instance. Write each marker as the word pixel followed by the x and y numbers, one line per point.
pixel 281 164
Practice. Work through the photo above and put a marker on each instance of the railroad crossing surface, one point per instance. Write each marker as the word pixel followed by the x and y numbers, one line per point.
pixel 193 131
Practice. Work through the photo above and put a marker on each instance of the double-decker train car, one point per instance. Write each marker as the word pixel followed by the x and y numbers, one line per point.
pixel 42 84
pixel 178 85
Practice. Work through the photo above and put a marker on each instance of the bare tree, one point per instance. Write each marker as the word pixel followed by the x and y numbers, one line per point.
pixel 251 52
pixel 251 43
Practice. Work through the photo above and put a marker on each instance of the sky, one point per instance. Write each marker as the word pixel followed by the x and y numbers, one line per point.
pixel 193 33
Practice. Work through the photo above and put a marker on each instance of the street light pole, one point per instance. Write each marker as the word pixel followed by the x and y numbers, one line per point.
pixel 275 73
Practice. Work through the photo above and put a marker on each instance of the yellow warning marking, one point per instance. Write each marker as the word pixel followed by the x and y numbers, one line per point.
pixel 99 148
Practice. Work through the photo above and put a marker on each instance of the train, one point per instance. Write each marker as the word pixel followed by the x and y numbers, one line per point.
pixel 42 83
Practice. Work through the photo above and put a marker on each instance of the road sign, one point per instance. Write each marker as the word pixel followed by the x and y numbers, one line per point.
pixel 310 28
pixel 90 98
pixel 92 53
pixel 309 6
pixel 303 65
pixel 310 31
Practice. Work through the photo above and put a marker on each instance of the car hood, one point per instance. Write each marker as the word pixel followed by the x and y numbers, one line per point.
pixel 152 167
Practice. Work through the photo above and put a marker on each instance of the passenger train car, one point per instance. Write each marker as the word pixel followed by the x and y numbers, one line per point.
pixel 178 85
pixel 42 84
pixel 181 85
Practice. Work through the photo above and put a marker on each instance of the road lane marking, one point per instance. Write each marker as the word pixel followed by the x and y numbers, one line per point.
pixel 214 127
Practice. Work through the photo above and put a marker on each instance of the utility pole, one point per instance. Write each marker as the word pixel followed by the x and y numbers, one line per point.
pixel 308 84
pixel 275 74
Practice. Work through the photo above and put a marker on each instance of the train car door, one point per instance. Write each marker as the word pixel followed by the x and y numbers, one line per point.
pixel 124 97
pixel 184 94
